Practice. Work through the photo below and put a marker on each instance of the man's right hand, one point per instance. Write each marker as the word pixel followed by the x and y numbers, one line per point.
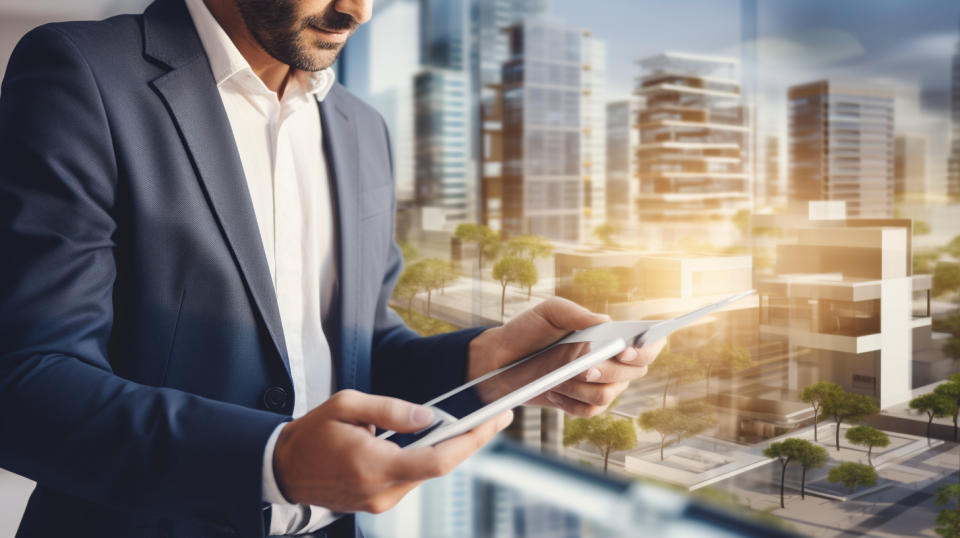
pixel 331 458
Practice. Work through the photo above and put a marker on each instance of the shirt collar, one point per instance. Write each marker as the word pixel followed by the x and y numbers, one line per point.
pixel 227 63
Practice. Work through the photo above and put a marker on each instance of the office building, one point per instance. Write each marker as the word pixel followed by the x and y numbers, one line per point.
pixel 593 141
pixel 846 304
pixel 622 185
pixel 909 168
pixel 541 183
pixel 693 139
pixel 841 146
pixel 378 64
pixel 774 189
pixel 953 164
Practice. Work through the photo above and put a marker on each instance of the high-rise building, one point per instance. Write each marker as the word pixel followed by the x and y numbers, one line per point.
pixel 953 165
pixel 445 175
pixel 593 141
pixel 909 168
pixel 621 146
pixel 841 146
pixel 773 188
pixel 693 138
pixel 378 64
pixel 542 186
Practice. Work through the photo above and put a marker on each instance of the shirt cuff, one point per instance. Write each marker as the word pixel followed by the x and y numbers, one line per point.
pixel 271 491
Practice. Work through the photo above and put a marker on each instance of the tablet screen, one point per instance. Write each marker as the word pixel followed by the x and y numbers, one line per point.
pixel 521 373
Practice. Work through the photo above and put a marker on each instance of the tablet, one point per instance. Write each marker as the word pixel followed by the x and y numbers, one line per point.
pixel 457 411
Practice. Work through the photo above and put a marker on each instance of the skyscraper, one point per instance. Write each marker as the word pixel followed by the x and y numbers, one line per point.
pixel 622 185
pixel 593 140
pixel 773 190
pixel 909 168
pixel 841 146
pixel 542 190
pixel 953 165
pixel 693 138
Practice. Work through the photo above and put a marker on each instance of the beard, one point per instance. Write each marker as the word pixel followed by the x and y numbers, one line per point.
pixel 279 29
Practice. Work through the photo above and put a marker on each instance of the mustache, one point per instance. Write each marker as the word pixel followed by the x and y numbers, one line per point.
pixel 332 20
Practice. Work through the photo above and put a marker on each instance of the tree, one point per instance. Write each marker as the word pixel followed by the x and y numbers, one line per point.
pixel 596 284
pixel 946 278
pixel 605 233
pixel 953 247
pixel 935 406
pixel 409 285
pixel 434 274
pixel 815 394
pixel 951 390
pixel 800 450
pixel 948 520
pixel 677 422
pixel 487 240
pixel 409 252
pixel 846 407
pixel 675 367
pixel 512 269
pixel 530 247
pixel 923 262
pixel 852 474
pixel 812 457
pixel 921 227
pixel 869 437
pixel 723 357
pixel 742 221
pixel 606 432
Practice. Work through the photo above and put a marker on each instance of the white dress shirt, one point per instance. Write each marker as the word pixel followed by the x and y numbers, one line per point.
pixel 279 141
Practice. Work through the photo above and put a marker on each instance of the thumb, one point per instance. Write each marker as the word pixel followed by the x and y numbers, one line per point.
pixel 568 315
pixel 381 411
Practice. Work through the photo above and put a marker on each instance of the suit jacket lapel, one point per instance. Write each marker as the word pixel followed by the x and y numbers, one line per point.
pixel 340 148
pixel 194 103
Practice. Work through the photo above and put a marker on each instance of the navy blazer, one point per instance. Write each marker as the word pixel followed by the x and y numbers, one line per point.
pixel 142 360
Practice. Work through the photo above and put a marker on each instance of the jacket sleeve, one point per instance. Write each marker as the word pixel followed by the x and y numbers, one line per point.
pixel 66 420
pixel 406 365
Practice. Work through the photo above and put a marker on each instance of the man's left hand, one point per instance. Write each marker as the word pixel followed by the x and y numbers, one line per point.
pixel 588 394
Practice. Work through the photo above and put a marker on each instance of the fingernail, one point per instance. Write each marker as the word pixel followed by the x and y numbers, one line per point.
pixel 593 374
pixel 505 420
pixel 421 415
pixel 630 355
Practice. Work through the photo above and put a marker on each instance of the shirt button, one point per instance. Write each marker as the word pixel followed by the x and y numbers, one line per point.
pixel 275 399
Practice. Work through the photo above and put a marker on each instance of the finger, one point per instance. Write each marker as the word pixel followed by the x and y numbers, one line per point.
pixel 574 407
pixel 567 315
pixel 644 354
pixel 432 461
pixel 600 394
pixel 612 371
pixel 389 497
pixel 381 411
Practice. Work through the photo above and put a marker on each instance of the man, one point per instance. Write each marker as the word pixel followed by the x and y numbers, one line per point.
pixel 197 228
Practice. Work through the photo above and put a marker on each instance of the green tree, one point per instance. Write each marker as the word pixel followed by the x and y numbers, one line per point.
pixel 923 262
pixel 512 269
pixel 741 219
pixel 951 390
pixel 948 520
pixel 953 247
pixel 409 252
pixel 935 406
pixel 800 450
pixel 812 457
pixel 675 368
pixel 606 432
pixel 815 395
pixel 434 275
pixel 605 233
pixel 677 422
pixel 946 278
pixel 921 227
pixel 852 474
pixel 869 437
pixel 723 357
pixel 409 285
pixel 487 240
pixel 530 247
pixel 847 407
pixel 596 286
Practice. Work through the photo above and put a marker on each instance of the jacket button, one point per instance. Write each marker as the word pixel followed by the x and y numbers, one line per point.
pixel 275 399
